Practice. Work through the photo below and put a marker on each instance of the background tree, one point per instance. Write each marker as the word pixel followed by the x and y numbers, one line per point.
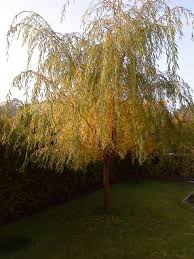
pixel 100 93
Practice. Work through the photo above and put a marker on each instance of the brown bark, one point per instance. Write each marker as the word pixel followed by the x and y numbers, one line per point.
pixel 106 182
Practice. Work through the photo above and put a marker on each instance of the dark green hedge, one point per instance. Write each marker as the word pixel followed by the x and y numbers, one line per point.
pixel 37 188
pixel 25 193
pixel 175 166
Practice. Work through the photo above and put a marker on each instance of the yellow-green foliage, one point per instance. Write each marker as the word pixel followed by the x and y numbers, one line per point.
pixel 101 91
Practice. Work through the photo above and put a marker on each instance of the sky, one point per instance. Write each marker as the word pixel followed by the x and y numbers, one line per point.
pixel 50 10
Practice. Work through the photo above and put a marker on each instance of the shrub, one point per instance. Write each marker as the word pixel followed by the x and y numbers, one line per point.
pixel 172 165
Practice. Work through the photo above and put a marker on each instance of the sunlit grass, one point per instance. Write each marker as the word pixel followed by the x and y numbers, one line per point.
pixel 148 220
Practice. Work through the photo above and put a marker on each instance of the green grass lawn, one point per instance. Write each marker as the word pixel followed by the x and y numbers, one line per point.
pixel 148 220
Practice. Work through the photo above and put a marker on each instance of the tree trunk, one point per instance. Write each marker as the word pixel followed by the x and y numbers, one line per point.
pixel 106 183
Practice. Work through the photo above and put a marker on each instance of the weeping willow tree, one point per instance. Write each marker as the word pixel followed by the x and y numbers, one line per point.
pixel 100 93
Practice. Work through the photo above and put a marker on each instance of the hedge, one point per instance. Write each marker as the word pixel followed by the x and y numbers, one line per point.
pixel 25 193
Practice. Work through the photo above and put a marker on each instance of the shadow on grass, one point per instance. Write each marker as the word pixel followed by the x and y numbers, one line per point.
pixel 101 212
pixel 10 244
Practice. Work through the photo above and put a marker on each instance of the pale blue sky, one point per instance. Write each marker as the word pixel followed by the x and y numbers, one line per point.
pixel 50 10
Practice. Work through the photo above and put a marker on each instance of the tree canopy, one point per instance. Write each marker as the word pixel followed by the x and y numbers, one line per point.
pixel 100 92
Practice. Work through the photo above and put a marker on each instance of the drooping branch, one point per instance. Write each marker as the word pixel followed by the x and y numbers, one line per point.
pixel 102 89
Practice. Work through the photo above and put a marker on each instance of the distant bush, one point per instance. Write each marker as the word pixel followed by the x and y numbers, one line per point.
pixel 172 165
